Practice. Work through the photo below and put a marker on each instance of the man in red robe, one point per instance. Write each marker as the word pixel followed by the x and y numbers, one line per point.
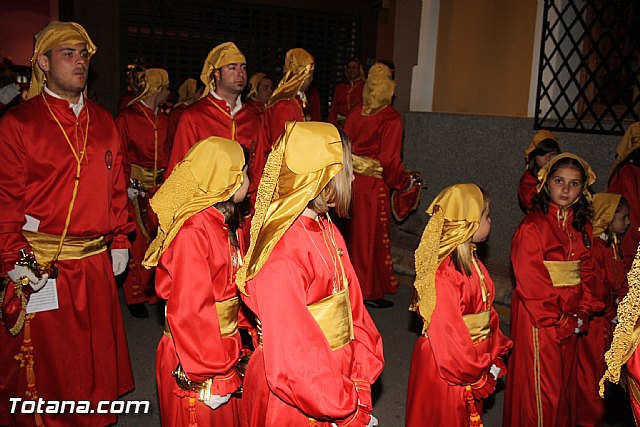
pixel 348 93
pixel 64 197
pixel 143 131
pixel 375 130
pixel 261 89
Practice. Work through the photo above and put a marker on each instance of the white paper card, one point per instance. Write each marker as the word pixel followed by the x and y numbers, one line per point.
pixel 45 299
pixel 32 224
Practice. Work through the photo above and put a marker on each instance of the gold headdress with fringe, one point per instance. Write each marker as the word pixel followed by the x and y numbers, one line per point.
pixel 629 143
pixel 301 163
pixel 154 80
pixel 221 55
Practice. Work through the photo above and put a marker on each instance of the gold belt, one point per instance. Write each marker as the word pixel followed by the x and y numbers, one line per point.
pixel 146 175
pixel 227 317
pixel 564 273
pixel 333 315
pixel 478 325
pixel 367 166
pixel 45 246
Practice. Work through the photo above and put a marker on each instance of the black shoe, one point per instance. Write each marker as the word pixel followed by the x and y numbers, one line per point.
pixel 378 303
pixel 138 310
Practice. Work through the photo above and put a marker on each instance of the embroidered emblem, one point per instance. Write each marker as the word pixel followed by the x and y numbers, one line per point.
pixel 108 159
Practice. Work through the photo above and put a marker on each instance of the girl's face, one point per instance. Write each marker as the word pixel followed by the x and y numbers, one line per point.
pixel 565 186
pixel 620 221
pixel 544 158
pixel 241 192
pixel 483 230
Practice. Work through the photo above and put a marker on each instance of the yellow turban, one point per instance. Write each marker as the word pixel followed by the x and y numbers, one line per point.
pixel 254 81
pixel 455 216
pixel 210 173
pixel 629 143
pixel 298 66
pixel 187 91
pixel 55 34
pixel 604 209
pixel 378 89
pixel 221 55
pixel 301 163
pixel 539 136
pixel 543 173
pixel 154 80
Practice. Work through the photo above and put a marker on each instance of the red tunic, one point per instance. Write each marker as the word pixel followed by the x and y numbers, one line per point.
pixel 174 117
pixel 633 369
pixel 609 284
pixel 254 105
pixel 447 360
pixel 346 96
pixel 296 376
pixel 626 181
pixel 313 110
pixel 194 273
pixel 379 137
pixel 136 128
pixel 526 190
pixel 79 350
pixel 541 384
pixel 126 99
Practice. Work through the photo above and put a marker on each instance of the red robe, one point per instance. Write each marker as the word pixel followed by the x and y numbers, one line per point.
pixel 296 376
pixel 79 350
pixel 313 110
pixel 526 190
pixel 633 369
pixel 174 117
pixel 447 360
pixel 138 140
pixel 379 137
pixel 626 181
pixel 254 105
pixel 541 384
pixel 126 99
pixel 609 284
pixel 194 273
pixel 346 96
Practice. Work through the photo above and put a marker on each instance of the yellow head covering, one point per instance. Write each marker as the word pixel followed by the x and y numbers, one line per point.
pixel 604 209
pixel 298 66
pixel 626 336
pixel 543 173
pixel 187 91
pixel 455 216
pixel 539 136
pixel 221 55
pixel 301 163
pixel 211 172
pixel 378 89
pixel 154 80
pixel 629 143
pixel 254 81
pixel 55 34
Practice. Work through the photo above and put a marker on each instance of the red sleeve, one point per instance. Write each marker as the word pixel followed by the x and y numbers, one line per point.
pixel 393 172
pixel 533 284
pixel 590 303
pixel 123 133
pixel 191 309
pixel 183 140
pixel 526 190
pixel 120 204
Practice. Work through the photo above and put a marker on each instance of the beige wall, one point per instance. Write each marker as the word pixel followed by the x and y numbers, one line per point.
pixel 484 54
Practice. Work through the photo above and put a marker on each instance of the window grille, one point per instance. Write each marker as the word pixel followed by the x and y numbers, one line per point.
pixel 588 74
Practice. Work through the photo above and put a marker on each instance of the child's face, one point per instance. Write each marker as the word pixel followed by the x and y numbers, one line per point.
pixel 620 221
pixel 544 158
pixel 565 186
pixel 241 192
pixel 483 230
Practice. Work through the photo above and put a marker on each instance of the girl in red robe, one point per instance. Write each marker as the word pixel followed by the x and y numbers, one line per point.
pixel 610 221
pixel 320 351
pixel 552 301
pixel 542 148
pixel 458 358
pixel 197 252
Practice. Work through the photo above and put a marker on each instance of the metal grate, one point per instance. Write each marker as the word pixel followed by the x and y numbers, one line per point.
pixel 589 66
pixel 178 36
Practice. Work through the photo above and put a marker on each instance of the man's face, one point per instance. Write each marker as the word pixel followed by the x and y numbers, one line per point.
pixel 231 78
pixel 352 70
pixel 265 89
pixel 66 68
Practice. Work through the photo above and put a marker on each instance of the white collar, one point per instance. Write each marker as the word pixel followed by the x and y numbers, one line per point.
pixel 77 108
pixel 238 102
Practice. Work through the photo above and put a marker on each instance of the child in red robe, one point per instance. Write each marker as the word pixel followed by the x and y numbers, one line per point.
pixel 542 148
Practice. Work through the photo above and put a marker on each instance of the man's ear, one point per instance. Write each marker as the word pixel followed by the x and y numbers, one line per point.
pixel 215 74
pixel 43 62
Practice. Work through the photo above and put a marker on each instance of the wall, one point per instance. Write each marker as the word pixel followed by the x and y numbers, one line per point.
pixel 405 49
pixel 20 21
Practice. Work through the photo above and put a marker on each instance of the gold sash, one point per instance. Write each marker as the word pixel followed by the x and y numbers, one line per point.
pixel 45 246
pixel 146 175
pixel 478 325
pixel 227 317
pixel 333 315
pixel 367 166
pixel 564 273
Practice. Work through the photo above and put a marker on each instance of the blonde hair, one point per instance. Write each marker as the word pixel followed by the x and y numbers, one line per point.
pixel 338 189
pixel 461 255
